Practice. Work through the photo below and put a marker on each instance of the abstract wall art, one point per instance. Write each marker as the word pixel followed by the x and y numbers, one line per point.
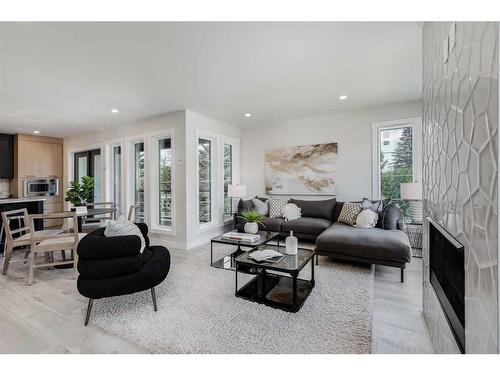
pixel 301 170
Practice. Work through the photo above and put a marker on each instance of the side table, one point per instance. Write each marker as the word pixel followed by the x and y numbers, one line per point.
pixel 414 232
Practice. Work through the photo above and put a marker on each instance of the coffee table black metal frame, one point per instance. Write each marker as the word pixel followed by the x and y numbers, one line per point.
pixel 276 289
pixel 227 262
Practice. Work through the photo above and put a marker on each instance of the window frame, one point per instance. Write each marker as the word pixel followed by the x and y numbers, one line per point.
pixel 154 165
pixel 235 178
pixel 416 124
pixel 130 176
pixel 214 183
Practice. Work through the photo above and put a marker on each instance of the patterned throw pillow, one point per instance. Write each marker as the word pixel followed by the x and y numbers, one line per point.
pixel 276 207
pixel 349 213
pixel 126 228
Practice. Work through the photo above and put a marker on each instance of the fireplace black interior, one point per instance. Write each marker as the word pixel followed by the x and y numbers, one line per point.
pixel 447 276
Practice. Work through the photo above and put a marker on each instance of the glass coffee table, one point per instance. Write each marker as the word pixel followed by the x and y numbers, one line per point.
pixel 227 262
pixel 283 290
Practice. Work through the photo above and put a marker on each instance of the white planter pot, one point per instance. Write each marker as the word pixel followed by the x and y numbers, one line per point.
pixel 251 228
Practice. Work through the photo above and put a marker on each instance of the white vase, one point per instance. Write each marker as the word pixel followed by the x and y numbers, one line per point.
pixel 251 228
pixel 291 244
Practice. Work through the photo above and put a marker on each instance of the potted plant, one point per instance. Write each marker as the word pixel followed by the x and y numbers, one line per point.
pixel 79 192
pixel 253 219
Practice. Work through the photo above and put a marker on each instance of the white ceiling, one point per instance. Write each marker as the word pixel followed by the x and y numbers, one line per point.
pixel 64 78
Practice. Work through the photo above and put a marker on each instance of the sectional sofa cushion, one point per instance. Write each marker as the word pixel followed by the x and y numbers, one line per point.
pixel 322 209
pixel 307 225
pixel 374 243
pixel 272 224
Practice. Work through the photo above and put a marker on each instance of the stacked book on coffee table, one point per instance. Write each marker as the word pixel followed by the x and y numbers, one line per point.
pixel 241 237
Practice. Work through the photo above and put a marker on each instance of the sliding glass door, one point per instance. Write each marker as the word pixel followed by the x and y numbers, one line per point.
pixel 88 163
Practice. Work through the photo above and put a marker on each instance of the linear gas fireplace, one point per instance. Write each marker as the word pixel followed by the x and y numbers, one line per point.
pixel 447 276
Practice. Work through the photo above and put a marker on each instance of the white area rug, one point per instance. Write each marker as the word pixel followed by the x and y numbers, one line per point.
pixel 198 313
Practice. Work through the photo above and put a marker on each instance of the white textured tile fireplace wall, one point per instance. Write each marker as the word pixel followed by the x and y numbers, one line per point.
pixel 351 130
pixel 460 189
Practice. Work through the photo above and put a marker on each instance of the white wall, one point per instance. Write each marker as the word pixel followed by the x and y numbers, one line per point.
pixel 186 125
pixel 175 121
pixel 352 132
pixel 196 125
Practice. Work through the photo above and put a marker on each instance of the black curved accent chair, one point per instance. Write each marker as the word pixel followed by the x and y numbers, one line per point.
pixel 114 266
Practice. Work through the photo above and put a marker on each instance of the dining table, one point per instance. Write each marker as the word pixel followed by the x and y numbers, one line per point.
pixel 92 212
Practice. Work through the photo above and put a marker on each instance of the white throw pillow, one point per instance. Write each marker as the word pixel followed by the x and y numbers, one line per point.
pixel 366 219
pixel 261 207
pixel 291 212
pixel 122 227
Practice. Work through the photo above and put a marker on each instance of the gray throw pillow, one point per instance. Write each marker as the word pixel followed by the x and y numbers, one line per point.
pixel 262 208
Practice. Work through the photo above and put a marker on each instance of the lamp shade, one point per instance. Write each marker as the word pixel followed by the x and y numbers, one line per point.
pixel 236 191
pixel 411 191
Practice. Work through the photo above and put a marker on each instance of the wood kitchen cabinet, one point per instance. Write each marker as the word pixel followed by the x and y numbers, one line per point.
pixel 36 156
pixel 40 158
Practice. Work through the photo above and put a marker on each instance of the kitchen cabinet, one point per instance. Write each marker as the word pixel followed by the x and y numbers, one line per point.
pixel 6 156
pixel 36 157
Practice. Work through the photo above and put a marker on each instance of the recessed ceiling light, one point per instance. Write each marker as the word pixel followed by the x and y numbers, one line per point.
pixel 36 131
pixel 343 97
pixel 248 115
pixel 114 110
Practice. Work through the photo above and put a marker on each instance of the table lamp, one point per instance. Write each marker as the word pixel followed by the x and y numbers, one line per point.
pixel 236 191
pixel 412 192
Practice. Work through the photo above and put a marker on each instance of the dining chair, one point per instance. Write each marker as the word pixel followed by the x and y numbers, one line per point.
pixel 91 222
pixel 133 213
pixel 19 235
pixel 50 244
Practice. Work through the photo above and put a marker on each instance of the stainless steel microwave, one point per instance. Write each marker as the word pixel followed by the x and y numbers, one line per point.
pixel 37 187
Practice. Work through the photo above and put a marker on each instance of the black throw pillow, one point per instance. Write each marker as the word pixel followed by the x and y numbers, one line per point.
pixel 391 214
pixel 245 205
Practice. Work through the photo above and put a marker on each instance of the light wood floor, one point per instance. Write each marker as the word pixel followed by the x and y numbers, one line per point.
pixel 46 317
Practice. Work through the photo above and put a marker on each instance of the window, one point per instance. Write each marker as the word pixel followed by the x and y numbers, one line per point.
pixel 139 178
pixel 165 182
pixel 117 190
pixel 228 179
pixel 397 158
pixel 396 161
pixel 205 180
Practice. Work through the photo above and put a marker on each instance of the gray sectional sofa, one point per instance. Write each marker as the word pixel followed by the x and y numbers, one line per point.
pixel 385 244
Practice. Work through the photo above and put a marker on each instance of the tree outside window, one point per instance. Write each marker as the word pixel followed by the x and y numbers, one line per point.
pixel 396 163
pixel 205 180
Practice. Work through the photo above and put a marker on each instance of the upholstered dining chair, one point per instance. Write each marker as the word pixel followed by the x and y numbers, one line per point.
pixel 48 244
pixel 133 213
pixel 19 235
